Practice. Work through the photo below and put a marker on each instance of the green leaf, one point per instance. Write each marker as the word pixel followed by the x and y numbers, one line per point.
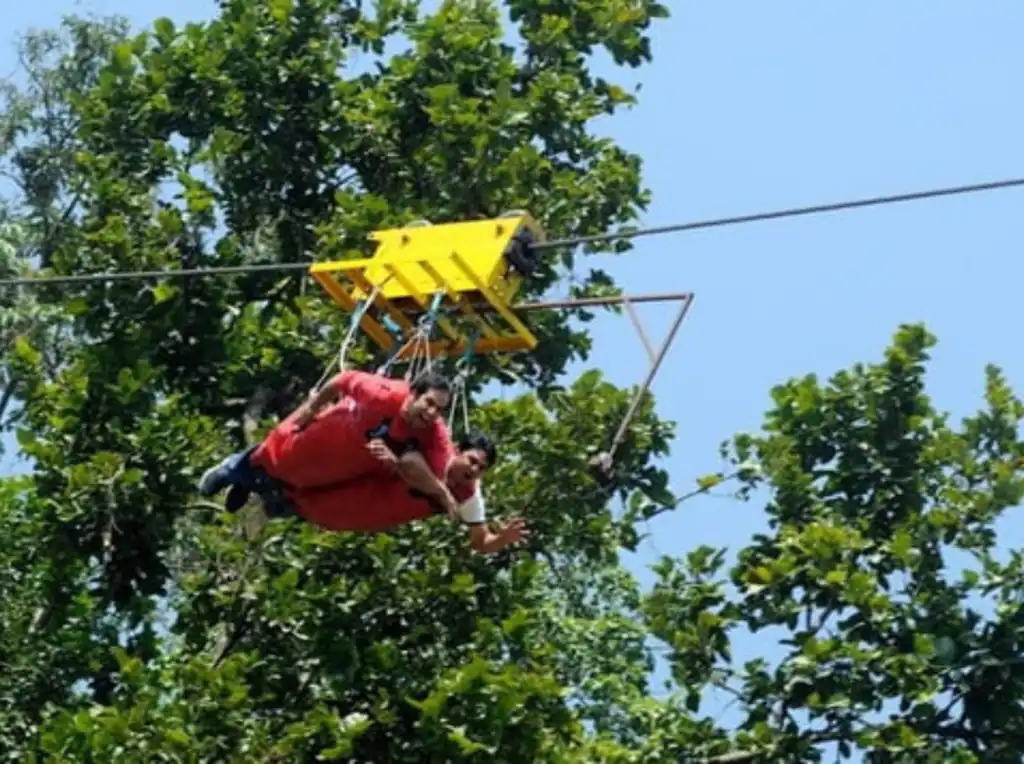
pixel 281 10
pixel 178 736
pixel 662 497
pixel 77 306
pixel 164 28
pixel 468 747
pixel 924 645
pixel 25 437
pixel 836 577
pixel 463 584
pixel 24 350
pixel 515 623
pixel 902 546
pixel 707 482
pixel 287 581
pixel 124 54
pixel 163 292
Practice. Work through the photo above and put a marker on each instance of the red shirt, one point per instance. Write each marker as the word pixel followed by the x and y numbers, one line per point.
pixel 332 448
pixel 369 504
pixel 463 491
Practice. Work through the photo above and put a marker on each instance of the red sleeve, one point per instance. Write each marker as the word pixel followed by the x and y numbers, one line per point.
pixel 464 492
pixel 438 449
pixel 382 395
pixel 352 384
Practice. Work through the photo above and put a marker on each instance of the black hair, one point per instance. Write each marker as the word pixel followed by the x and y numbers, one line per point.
pixel 431 381
pixel 475 439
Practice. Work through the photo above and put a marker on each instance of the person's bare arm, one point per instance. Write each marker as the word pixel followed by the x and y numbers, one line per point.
pixel 486 541
pixel 342 383
pixel 414 470
pixel 316 403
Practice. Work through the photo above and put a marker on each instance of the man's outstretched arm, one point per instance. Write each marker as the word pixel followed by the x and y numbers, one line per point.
pixel 486 541
pixel 481 537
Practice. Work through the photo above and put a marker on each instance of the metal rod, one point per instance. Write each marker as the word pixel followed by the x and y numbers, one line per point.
pixel 595 302
pixel 662 352
pixel 640 331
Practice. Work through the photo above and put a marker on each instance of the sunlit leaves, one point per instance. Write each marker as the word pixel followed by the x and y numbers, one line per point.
pixel 871 489
pixel 250 138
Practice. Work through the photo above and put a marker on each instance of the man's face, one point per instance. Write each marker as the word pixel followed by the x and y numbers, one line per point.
pixel 425 409
pixel 467 466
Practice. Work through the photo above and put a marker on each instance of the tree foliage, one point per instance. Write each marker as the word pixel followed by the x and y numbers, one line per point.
pixel 140 624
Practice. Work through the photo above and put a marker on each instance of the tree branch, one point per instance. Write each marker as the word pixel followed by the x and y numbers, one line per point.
pixel 254 413
pixel 238 630
pixel 687 496
pixel 210 505
pixel 6 397
pixel 736 757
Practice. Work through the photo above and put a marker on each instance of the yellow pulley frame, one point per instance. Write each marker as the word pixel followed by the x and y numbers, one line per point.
pixel 470 265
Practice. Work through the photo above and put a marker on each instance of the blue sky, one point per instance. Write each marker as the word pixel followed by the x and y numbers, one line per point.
pixel 755 106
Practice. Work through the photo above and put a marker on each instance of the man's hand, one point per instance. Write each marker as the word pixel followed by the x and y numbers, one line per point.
pixel 488 541
pixel 448 502
pixel 383 454
pixel 452 506
pixel 306 415
pixel 318 401
pixel 304 419
pixel 415 471
pixel 514 531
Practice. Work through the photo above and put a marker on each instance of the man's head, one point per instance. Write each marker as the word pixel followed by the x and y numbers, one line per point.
pixel 477 453
pixel 431 393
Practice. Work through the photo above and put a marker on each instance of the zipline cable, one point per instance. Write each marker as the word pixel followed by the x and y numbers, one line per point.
pixel 792 212
pixel 553 244
pixel 156 275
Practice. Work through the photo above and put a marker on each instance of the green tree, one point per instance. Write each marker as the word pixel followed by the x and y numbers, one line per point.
pixel 888 648
pixel 38 141
pixel 139 623
pixel 249 139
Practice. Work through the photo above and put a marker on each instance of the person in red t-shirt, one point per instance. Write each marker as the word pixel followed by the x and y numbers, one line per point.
pixel 358 425
pixel 371 504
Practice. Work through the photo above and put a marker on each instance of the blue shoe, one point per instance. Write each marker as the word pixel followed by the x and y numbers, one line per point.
pixel 217 478
pixel 275 503
pixel 244 479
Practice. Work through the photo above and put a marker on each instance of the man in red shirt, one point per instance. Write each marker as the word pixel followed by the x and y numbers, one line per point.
pixel 358 425
pixel 372 504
